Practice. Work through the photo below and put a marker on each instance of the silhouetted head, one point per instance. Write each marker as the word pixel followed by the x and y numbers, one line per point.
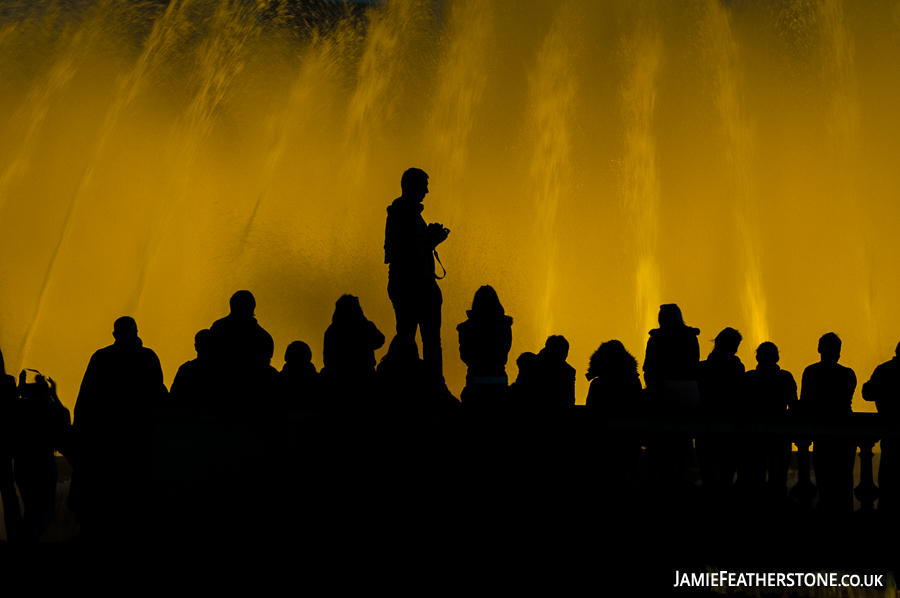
pixel 830 347
pixel 525 360
pixel 242 303
pixel 125 328
pixel 414 184
pixel 486 302
pixel 767 354
pixel 670 315
pixel 527 364
pixel 728 341
pixel 557 347
pixel 298 352
pixel 203 342
pixel 611 356
pixel 347 309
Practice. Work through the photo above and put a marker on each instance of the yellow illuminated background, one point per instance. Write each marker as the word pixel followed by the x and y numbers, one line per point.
pixel 593 159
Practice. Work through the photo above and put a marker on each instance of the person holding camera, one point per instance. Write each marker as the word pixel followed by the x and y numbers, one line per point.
pixel 42 427
pixel 409 251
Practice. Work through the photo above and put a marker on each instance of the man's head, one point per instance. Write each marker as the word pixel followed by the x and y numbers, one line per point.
pixel 414 184
pixel 767 354
pixel 728 341
pixel 125 328
pixel 830 347
pixel 670 315
pixel 203 342
pixel 557 346
pixel 526 362
pixel 298 352
pixel 242 303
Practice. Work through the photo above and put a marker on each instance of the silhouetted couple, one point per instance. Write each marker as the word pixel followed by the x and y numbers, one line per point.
pixel 729 394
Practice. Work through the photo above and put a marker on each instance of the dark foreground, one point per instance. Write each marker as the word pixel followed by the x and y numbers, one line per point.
pixel 444 501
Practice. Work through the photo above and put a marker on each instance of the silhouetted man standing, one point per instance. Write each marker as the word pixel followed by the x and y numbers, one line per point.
pixel 826 395
pixel 409 246
pixel 192 384
pixel 239 339
pixel 112 433
pixel 769 392
pixel 557 377
pixel 884 389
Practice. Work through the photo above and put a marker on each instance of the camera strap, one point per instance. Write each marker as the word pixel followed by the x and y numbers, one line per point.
pixel 438 258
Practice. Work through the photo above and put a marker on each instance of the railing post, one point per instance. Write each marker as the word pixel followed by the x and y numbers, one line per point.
pixel 867 491
pixel 805 491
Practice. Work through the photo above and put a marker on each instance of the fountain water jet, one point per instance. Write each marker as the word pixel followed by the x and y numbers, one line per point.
pixel 739 151
pixel 640 179
pixel 553 92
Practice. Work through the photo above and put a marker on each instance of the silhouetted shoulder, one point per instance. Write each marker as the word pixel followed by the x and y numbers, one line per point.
pixel 482 336
pixel 769 392
pixel 615 382
pixel 679 331
pixel 673 353
pixel 827 389
pixel 485 339
pixel 883 388
pixel 375 336
pixel 405 232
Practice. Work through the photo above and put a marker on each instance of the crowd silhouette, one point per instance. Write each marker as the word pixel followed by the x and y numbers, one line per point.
pixel 112 432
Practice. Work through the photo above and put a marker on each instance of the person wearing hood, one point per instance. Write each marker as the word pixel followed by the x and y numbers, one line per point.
pixel 615 392
pixel 485 339
pixel 615 383
pixel 112 433
pixel 409 251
